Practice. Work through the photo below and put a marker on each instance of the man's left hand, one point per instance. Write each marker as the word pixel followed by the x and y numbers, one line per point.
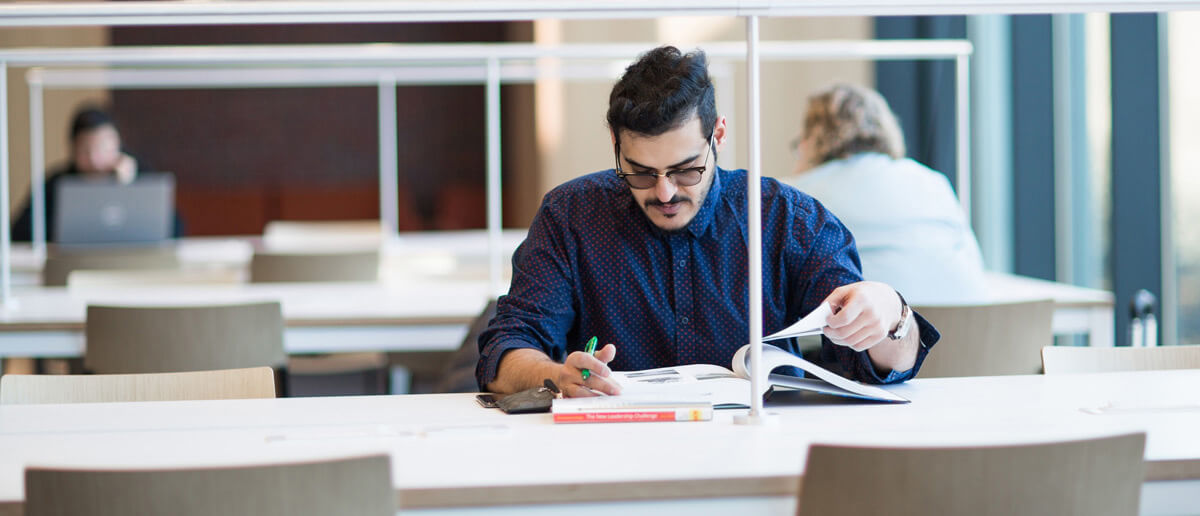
pixel 864 313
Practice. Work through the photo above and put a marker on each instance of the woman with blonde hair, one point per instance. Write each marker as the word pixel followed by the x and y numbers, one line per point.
pixel 908 226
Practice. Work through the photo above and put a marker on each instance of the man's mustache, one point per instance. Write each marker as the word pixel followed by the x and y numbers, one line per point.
pixel 674 200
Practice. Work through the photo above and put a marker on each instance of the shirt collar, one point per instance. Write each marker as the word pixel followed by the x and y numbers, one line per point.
pixel 704 217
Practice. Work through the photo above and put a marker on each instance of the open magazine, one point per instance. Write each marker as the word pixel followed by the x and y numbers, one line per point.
pixel 727 388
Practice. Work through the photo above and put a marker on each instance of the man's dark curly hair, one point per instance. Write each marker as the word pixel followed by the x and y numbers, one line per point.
pixel 661 91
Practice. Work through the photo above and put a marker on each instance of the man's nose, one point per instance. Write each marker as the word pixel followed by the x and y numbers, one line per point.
pixel 665 189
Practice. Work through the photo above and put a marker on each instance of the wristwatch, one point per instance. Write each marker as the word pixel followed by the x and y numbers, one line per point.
pixel 906 320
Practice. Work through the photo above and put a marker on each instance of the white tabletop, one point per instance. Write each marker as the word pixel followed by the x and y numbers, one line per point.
pixel 447 450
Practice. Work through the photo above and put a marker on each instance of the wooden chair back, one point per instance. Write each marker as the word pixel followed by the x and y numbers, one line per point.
pixel 256 382
pixel 318 266
pixel 357 486
pixel 1093 477
pixel 1069 359
pixel 84 278
pixel 988 340
pixel 60 264
pixel 123 339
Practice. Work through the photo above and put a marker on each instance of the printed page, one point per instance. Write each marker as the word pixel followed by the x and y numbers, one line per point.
pixel 693 382
pixel 831 383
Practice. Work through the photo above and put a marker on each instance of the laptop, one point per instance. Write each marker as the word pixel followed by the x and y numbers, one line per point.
pixel 90 211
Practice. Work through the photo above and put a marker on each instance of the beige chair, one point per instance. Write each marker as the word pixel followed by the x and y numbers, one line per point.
pixel 1094 477
pixel 108 278
pixel 458 371
pixel 326 266
pixel 184 338
pixel 59 264
pixel 325 234
pixel 258 382
pixel 1065 359
pixel 988 340
pixel 358 486
pixel 318 266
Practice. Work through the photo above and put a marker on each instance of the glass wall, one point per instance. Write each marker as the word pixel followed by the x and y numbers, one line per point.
pixel 1183 83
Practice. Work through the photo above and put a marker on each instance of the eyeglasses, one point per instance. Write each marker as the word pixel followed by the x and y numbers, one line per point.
pixel 681 177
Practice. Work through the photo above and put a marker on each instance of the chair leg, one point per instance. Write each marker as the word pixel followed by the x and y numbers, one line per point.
pixel 282 381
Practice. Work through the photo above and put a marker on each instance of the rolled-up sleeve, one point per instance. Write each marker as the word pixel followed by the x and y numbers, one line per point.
pixel 539 307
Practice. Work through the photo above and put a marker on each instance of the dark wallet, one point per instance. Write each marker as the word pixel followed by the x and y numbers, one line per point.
pixel 530 400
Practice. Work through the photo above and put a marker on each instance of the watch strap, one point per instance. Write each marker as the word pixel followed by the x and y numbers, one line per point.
pixel 902 327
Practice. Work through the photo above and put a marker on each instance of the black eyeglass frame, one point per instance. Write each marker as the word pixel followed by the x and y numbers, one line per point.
pixel 676 177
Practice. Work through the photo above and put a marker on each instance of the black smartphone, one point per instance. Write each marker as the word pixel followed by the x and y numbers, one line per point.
pixel 486 400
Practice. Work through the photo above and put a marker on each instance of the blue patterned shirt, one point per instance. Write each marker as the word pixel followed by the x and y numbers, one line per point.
pixel 594 264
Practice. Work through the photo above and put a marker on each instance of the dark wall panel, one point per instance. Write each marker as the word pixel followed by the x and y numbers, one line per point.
pixel 1137 168
pixel 243 157
pixel 1033 147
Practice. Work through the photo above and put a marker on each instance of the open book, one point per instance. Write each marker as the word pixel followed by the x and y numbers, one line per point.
pixel 727 388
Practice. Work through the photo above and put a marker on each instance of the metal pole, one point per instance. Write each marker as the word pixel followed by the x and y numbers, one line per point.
pixel 754 224
pixel 37 168
pixel 389 208
pixel 6 299
pixel 493 176
pixel 962 106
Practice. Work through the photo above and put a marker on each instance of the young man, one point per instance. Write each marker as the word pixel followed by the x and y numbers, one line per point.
pixel 650 257
pixel 95 154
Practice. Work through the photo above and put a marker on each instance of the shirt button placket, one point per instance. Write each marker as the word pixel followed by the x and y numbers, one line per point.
pixel 684 334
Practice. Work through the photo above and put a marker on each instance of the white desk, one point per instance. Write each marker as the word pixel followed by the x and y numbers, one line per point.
pixel 319 317
pixel 1077 310
pixel 449 453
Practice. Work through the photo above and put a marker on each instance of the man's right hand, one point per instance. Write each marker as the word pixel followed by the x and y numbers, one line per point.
pixel 570 376
pixel 526 368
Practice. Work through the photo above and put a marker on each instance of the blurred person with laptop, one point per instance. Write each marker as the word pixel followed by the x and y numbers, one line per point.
pixel 96 156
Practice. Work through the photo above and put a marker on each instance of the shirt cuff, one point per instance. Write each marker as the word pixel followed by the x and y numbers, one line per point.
pixel 898 376
pixel 929 337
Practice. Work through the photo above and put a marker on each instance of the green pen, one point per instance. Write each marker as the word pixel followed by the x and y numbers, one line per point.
pixel 589 348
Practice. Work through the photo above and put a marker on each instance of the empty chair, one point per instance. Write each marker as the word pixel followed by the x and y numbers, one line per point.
pixel 1063 359
pixel 317 266
pixel 258 382
pixel 106 278
pixel 60 264
pixel 458 371
pixel 988 340
pixel 123 339
pixel 324 234
pixel 365 372
pixel 1089 477
pixel 358 486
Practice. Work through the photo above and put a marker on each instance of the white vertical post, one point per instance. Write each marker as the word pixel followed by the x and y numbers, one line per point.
pixel 37 168
pixel 754 224
pixel 493 177
pixel 6 299
pixel 962 132
pixel 389 169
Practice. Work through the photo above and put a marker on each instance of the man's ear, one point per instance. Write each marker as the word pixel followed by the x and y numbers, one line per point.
pixel 719 133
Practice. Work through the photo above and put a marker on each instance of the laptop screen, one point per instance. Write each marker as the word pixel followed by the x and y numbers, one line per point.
pixel 92 211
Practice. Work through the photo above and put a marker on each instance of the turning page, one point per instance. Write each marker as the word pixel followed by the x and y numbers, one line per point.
pixel 810 324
